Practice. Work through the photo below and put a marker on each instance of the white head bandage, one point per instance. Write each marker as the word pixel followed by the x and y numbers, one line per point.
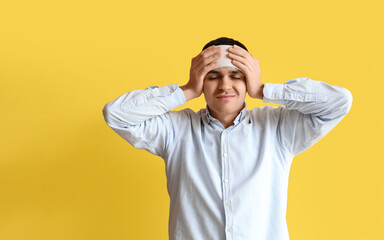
pixel 224 60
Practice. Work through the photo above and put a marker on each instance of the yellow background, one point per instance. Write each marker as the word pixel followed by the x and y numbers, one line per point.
pixel 64 174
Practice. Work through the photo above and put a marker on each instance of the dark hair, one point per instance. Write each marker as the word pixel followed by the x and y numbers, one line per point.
pixel 224 41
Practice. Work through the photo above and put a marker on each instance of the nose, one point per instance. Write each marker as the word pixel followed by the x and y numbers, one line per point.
pixel 225 83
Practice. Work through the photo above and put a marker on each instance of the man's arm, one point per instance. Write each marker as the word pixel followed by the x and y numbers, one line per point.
pixel 144 117
pixel 141 117
pixel 200 66
pixel 311 109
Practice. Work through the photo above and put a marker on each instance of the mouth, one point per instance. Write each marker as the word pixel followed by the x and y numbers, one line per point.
pixel 225 97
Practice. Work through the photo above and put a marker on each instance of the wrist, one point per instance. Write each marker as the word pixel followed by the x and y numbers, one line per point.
pixel 188 92
pixel 260 94
pixel 257 93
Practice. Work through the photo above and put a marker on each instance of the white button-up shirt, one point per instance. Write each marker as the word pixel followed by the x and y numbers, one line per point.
pixel 229 183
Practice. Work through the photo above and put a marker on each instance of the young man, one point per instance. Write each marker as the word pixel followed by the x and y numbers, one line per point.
pixel 227 167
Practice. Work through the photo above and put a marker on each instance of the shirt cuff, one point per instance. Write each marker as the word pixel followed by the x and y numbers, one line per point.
pixel 273 92
pixel 176 97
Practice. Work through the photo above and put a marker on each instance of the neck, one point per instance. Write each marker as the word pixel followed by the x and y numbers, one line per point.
pixel 226 119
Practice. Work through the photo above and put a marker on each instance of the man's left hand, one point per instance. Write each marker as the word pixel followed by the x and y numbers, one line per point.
pixel 250 66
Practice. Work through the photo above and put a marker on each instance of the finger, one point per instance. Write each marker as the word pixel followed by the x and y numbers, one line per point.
pixel 236 49
pixel 239 59
pixel 242 66
pixel 203 71
pixel 239 51
pixel 236 57
pixel 208 52
pixel 208 60
pixel 212 50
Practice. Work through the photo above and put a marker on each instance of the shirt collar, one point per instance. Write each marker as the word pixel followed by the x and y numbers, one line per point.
pixel 207 117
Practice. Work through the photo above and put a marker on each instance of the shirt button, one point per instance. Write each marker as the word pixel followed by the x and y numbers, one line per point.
pixel 224 133
pixel 229 229
pixel 301 96
pixel 226 180
pixel 225 154
pixel 227 204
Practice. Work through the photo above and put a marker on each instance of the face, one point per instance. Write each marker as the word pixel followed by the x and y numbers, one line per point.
pixel 224 91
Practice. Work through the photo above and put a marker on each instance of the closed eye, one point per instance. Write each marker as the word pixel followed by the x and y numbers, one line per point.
pixel 232 77
pixel 211 78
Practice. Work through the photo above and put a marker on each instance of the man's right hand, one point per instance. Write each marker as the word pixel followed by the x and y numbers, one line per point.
pixel 200 66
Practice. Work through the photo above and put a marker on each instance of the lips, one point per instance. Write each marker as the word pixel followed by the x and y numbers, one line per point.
pixel 226 96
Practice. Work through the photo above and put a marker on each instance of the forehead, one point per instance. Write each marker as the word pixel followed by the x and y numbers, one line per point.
pixel 224 70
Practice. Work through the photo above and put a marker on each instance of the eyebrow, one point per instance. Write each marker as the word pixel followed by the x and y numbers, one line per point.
pixel 214 71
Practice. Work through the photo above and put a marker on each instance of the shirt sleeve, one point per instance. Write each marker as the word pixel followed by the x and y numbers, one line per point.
pixel 310 110
pixel 142 117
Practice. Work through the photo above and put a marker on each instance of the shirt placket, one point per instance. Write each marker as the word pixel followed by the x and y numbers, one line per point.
pixel 225 157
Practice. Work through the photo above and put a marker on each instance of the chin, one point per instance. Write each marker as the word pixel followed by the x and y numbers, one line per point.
pixel 226 110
